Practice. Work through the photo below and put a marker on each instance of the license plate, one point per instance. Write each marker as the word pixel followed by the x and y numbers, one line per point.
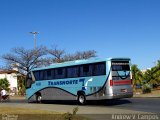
pixel 123 90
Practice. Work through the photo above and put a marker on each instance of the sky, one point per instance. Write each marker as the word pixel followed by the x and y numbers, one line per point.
pixel 113 28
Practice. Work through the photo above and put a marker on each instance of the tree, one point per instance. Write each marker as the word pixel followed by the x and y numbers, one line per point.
pixel 156 74
pixel 152 76
pixel 59 55
pixel 4 84
pixel 21 85
pixel 137 75
pixel 80 55
pixel 24 59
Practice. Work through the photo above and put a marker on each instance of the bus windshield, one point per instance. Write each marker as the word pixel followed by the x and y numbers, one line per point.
pixel 29 80
pixel 120 70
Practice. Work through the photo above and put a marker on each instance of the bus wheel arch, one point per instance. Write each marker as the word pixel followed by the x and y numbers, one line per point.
pixel 38 97
pixel 81 97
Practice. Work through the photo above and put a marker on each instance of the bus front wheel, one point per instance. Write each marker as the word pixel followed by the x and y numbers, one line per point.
pixel 81 99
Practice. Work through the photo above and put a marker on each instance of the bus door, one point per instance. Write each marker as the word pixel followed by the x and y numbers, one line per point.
pixel 121 82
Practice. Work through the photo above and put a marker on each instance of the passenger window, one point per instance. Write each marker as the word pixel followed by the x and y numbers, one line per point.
pixel 99 69
pixel 41 75
pixel 60 73
pixel 49 74
pixel 86 70
pixel 72 72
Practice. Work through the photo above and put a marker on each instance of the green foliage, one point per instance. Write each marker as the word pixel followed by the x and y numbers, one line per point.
pixel 137 75
pixel 146 88
pixel 152 76
pixel 21 85
pixel 70 116
pixel 4 84
pixel 21 91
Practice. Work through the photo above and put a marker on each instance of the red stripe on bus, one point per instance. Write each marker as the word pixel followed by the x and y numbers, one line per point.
pixel 122 82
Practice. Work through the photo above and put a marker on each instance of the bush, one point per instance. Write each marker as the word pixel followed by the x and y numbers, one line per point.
pixel 21 85
pixel 21 90
pixel 146 88
pixel 4 84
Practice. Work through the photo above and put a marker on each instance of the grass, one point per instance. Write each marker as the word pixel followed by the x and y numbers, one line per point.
pixel 11 110
pixel 28 114
pixel 31 114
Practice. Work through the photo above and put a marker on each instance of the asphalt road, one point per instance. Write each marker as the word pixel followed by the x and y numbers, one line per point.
pixel 151 105
pixel 92 109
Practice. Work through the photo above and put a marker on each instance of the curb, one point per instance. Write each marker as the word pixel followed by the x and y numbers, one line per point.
pixel 146 96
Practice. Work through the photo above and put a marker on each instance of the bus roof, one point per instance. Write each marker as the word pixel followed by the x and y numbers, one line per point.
pixel 79 62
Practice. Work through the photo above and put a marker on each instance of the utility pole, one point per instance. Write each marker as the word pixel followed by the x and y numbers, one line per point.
pixel 34 35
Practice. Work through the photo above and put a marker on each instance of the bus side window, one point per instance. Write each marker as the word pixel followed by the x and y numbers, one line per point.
pixel 49 74
pixel 99 69
pixel 41 75
pixel 60 73
pixel 45 75
pixel 52 74
pixel 86 70
pixel 72 71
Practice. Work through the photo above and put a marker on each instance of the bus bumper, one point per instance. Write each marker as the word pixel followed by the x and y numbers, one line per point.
pixel 120 95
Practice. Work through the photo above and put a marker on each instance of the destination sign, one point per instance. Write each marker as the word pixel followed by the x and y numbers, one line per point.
pixel 120 63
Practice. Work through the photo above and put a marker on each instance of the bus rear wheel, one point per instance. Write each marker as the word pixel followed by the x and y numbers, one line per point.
pixel 38 98
pixel 81 99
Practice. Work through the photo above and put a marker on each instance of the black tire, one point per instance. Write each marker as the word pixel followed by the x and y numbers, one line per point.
pixel 38 98
pixel 81 99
